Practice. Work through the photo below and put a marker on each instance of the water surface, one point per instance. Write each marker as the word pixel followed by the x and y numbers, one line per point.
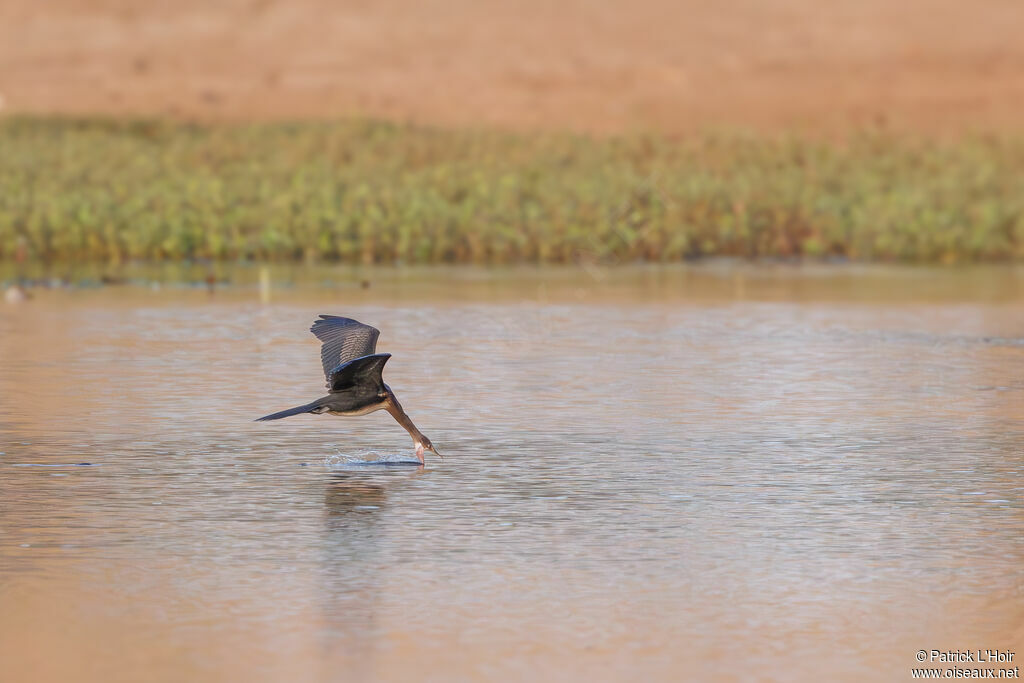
pixel 651 475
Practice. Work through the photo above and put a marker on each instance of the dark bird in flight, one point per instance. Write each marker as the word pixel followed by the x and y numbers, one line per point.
pixel 353 370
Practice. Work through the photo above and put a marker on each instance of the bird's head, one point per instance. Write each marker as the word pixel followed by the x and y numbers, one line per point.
pixel 424 445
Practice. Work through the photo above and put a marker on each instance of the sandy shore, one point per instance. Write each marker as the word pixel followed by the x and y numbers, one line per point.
pixel 931 65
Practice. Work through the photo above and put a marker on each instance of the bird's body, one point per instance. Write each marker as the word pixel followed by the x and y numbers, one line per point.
pixel 353 370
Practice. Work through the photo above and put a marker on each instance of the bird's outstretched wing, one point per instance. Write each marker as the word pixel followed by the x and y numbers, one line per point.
pixel 343 340
pixel 363 373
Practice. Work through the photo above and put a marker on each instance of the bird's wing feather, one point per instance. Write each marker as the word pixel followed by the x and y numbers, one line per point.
pixel 343 340
pixel 362 372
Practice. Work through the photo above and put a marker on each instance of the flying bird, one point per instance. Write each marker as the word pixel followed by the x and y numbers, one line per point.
pixel 353 370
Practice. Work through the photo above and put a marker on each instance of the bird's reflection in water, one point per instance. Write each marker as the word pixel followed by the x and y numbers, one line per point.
pixel 355 507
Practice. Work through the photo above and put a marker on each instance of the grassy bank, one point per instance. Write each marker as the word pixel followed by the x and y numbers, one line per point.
pixel 365 192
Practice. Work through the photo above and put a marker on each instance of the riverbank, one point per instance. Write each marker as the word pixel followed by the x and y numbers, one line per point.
pixel 369 192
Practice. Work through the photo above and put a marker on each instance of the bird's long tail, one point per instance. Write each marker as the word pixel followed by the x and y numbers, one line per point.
pixel 308 408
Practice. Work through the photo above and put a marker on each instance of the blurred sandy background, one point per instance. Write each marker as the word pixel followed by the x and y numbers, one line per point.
pixel 932 65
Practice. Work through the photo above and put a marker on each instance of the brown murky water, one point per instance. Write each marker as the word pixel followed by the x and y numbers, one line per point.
pixel 653 474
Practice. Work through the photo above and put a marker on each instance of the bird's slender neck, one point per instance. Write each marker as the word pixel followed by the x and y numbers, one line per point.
pixel 395 408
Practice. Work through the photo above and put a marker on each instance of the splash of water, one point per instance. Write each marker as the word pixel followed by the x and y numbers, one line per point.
pixel 362 458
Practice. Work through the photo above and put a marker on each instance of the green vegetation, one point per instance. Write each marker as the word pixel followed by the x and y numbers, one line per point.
pixel 370 192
